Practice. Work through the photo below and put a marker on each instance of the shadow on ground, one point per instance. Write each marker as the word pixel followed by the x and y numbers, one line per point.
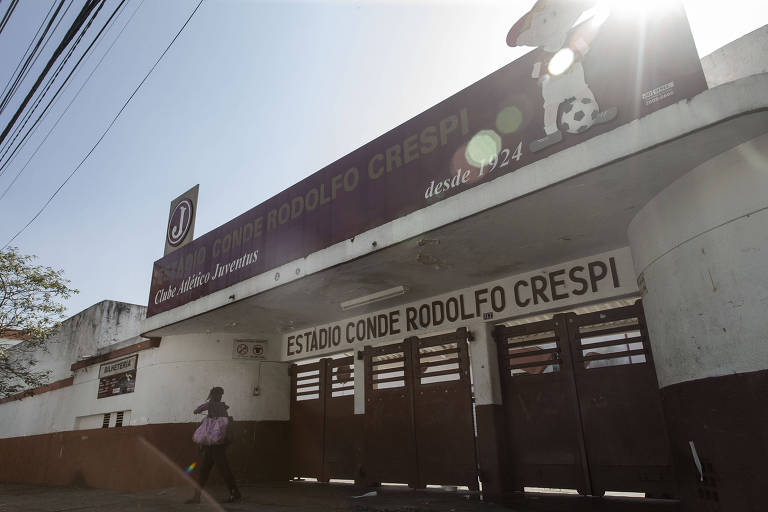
pixel 303 497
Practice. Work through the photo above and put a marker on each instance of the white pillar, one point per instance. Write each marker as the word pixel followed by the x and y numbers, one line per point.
pixel 485 366
pixel 700 248
pixel 359 384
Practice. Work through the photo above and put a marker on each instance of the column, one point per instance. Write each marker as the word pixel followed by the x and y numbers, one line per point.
pixel 700 249
pixel 489 412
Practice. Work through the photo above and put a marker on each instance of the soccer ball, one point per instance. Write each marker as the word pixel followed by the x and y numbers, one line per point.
pixel 578 114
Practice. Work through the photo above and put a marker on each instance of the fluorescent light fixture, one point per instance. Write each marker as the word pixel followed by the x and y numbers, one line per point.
pixel 374 297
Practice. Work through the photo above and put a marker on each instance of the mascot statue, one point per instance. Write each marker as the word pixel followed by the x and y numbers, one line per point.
pixel 549 26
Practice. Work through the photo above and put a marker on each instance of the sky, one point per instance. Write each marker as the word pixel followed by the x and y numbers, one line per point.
pixel 253 97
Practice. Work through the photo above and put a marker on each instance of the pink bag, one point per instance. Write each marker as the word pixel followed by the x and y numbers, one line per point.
pixel 211 431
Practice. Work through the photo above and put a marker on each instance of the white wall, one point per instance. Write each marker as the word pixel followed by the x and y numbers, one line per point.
pixel 171 380
pixel 177 376
pixel 701 247
pixel 84 334
pixel 747 55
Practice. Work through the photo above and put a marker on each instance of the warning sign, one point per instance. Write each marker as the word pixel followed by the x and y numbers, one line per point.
pixel 248 349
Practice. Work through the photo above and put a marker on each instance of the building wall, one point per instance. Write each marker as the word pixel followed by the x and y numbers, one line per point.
pixel 747 55
pixel 84 334
pixel 171 380
pixel 177 376
pixel 701 249
pixel 48 438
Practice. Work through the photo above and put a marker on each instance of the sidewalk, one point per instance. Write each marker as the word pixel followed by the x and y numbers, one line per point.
pixel 298 497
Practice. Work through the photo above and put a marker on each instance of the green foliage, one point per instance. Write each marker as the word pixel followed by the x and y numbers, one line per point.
pixel 30 310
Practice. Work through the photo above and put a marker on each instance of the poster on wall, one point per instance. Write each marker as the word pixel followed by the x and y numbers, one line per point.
pixel 589 71
pixel 117 377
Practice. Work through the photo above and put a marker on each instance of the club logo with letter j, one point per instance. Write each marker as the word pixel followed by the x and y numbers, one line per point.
pixel 181 220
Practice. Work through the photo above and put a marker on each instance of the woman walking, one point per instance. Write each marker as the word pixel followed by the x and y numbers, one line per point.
pixel 215 453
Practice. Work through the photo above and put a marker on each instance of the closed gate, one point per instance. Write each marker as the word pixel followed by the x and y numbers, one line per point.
pixel 325 433
pixel 419 426
pixel 582 404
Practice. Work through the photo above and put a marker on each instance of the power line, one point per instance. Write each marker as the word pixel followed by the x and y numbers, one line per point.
pixel 114 120
pixel 53 99
pixel 8 14
pixel 81 17
pixel 29 62
pixel 66 109
pixel 33 57
pixel 29 47
pixel 47 75
pixel 49 83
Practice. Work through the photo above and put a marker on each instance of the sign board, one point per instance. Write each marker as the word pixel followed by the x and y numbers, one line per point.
pixel 597 278
pixel 624 69
pixel 248 349
pixel 181 220
pixel 117 377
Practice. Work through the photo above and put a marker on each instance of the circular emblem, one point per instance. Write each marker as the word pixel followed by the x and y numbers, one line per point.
pixel 181 220
pixel 344 373
pixel 242 349
pixel 258 350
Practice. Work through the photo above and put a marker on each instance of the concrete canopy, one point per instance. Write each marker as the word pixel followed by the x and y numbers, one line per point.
pixel 575 203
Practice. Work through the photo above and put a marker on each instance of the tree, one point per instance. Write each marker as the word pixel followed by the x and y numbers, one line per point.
pixel 30 310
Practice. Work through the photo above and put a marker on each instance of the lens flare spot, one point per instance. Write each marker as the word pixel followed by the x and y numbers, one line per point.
pixel 509 119
pixel 562 60
pixel 191 468
pixel 484 145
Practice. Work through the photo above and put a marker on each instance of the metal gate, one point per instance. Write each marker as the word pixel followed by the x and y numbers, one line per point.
pixel 325 433
pixel 419 426
pixel 582 404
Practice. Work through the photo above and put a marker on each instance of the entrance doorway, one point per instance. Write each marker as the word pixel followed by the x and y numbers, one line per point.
pixel 419 424
pixel 582 404
pixel 325 433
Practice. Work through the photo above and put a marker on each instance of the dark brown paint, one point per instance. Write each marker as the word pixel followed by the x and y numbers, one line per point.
pixel 727 419
pixel 139 457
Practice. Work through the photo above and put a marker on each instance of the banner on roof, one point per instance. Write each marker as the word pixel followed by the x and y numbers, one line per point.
pixel 591 70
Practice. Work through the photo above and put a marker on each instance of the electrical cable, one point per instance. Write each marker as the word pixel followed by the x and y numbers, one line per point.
pixel 35 52
pixel 23 75
pixel 81 17
pixel 27 67
pixel 41 94
pixel 50 78
pixel 77 94
pixel 8 14
pixel 114 120
pixel 29 47
pixel 50 82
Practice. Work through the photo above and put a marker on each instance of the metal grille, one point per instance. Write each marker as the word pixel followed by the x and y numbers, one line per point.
pixel 105 422
pixel 531 349
pixel 419 426
pixel 439 364
pixel 119 419
pixel 388 370
pixel 611 344
pixel 342 378
pixel 325 434
pixel 595 423
pixel 308 383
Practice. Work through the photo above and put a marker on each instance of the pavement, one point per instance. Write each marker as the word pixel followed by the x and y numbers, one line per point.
pixel 303 497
